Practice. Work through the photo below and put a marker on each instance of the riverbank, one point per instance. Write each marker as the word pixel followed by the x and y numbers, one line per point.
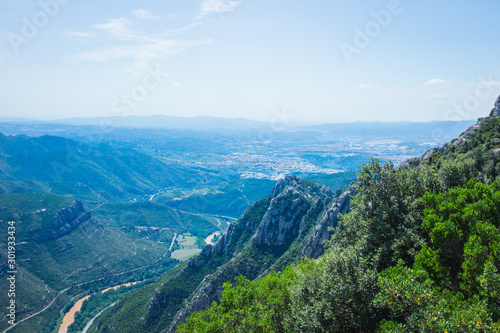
pixel 69 317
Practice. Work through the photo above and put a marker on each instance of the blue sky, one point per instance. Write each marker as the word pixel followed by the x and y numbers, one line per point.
pixel 315 61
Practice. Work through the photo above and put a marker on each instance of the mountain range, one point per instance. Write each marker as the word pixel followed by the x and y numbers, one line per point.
pixel 205 123
pixel 91 171
pixel 96 214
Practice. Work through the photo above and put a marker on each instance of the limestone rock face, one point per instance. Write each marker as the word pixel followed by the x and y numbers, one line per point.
pixel 66 220
pixel 341 205
pixel 282 220
pixel 291 215
pixel 288 181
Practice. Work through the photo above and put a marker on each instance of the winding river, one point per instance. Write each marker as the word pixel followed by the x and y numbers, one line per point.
pixel 69 317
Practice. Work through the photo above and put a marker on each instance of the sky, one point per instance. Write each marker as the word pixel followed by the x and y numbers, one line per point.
pixel 318 61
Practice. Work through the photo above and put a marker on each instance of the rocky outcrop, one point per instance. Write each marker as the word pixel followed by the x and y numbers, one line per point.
pixel 288 181
pixel 208 291
pixel 341 205
pixel 417 161
pixel 281 222
pixel 66 220
pixel 156 304
pixel 290 216
pixel 228 244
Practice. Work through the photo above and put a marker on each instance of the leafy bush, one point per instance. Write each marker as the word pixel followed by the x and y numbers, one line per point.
pixel 249 307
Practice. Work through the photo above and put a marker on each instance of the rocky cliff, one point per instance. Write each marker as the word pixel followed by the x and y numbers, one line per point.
pixel 252 245
pixel 66 220
pixel 417 161
pixel 281 224
pixel 329 220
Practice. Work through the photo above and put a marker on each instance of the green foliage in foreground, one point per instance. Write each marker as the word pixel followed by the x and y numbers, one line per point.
pixel 250 307
pixel 463 234
pixel 454 285
pixel 419 252
pixel 417 304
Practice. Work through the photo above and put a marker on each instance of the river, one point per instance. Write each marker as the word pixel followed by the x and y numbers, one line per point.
pixel 69 317
pixel 209 239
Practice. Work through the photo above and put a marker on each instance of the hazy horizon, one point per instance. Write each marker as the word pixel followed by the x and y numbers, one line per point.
pixel 331 62
pixel 67 121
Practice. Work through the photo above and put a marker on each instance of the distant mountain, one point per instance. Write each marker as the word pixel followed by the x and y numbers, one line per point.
pixel 163 121
pixel 205 123
pixel 441 129
pixel 92 171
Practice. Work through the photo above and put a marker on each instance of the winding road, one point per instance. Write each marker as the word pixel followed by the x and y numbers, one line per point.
pixel 36 313
pixel 86 328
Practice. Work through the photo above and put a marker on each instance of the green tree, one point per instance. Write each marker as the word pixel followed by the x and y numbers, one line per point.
pixel 454 285
pixel 258 306
pixel 333 294
pixel 463 237
pixel 417 304
pixel 387 213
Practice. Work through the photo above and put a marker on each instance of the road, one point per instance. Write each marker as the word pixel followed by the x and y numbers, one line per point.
pixel 173 240
pixel 36 313
pixel 86 328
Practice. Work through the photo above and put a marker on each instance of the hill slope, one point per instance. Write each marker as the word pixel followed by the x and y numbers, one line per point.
pixel 61 244
pixel 428 232
pixel 418 252
pixel 94 172
pixel 270 235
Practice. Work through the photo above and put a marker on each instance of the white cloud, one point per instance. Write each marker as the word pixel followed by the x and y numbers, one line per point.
pixel 119 28
pixel 434 82
pixel 143 51
pixel 151 51
pixel 143 48
pixel 177 84
pixel 78 34
pixel 181 29
pixel 438 89
pixel 217 7
pixel 144 14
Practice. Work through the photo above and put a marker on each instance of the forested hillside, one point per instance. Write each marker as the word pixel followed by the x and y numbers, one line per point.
pixel 95 172
pixel 269 236
pixel 418 252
